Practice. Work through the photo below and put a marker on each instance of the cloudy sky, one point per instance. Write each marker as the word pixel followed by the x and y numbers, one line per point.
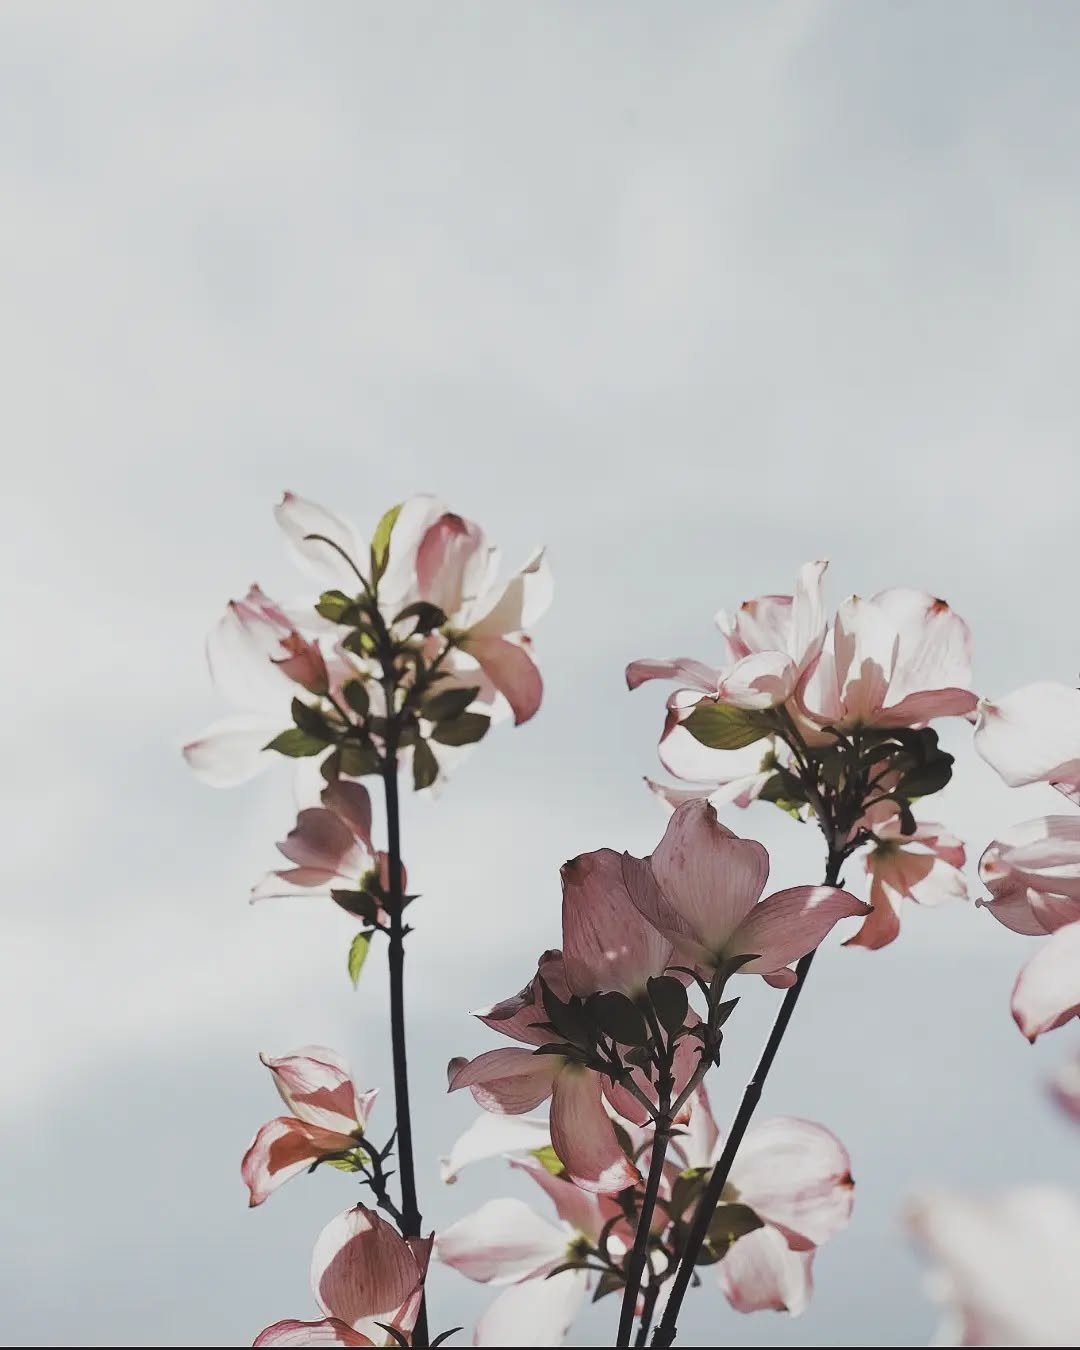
pixel 690 293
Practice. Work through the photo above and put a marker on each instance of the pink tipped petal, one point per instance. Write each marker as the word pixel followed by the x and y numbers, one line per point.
pixel 351 803
pixel 291 881
pixel 1032 735
pixel 797 1176
pixel 707 875
pixel 492 1136
pixel 694 674
pixel 583 1136
pixel 282 1149
pixel 330 1331
pixel 517 1016
pixel 450 562
pixel 533 1313
pixel 790 923
pixel 779 979
pixel 322 839
pixel 1047 990
pixel 362 1271
pixel 524 599
pixel 934 651
pixel 240 651
pixel 511 670
pixel 299 518
pixel 231 751
pixel 761 1272
pixel 760 680
pixel 883 924
pixel 314 1083
pixel 584 1211
pixel 509 1081
pixel 1014 910
pixel 607 943
pixel 502 1242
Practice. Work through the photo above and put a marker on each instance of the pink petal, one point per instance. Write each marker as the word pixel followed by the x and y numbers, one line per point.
pixel 761 1271
pixel 647 898
pixel 330 1331
pixel 790 923
pixel 492 1136
pixel 450 561
pixel 508 1081
pixel 923 707
pixel 693 673
pixel 511 670
pixel 282 1149
pixel 533 1313
pixel 865 644
pixel 351 803
pixel 298 518
pixel 698 1144
pixel 231 751
pixel 315 1084
pixel 362 1271
pixel 524 599
pixel 293 881
pixel 584 1211
pixel 240 651
pixel 883 924
pixel 735 775
pixel 322 839
pixel 502 1242
pixel 1014 910
pixel 933 652
pixel 796 1176
pixel 518 1015
pixel 760 680
pixel 706 874
pixel 607 944
pixel 1047 990
pixel 583 1136
pixel 1032 735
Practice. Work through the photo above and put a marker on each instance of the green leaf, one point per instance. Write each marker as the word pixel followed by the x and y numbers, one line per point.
pixel 311 721
pixel 929 777
pixel 617 1017
pixel 728 1224
pixel 548 1159
pixel 355 695
pixel 361 641
pixel 669 999
pixel 358 955
pixel 688 1186
pixel 341 1164
pixel 721 726
pixel 425 767
pixel 333 605
pixel 464 729
pixel 357 761
pixel 380 543
pixel 363 904
pixel 448 703
pixel 296 744
pixel 428 616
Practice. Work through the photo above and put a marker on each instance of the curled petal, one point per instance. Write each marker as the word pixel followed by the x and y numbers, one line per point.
pixel 511 670
pixel 1047 990
pixel 299 518
pixel 451 562
pixel 790 923
pixel 315 1084
pixel 795 1175
pixel 760 680
pixel 282 1149
pixel 583 1136
pixel 533 1313
pixel 321 839
pixel 761 1271
pixel 330 1331
pixel 509 1081
pixel 502 1242
pixel 694 674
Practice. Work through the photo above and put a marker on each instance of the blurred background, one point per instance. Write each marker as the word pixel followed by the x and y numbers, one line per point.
pixel 690 293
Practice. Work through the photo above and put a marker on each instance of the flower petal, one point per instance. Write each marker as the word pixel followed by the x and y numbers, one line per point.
pixel 451 562
pixel 509 1081
pixel 795 1175
pixel 511 670
pixel 933 651
pixel 502 1242
pixel 299 518
pixel 315 1084
pixel 523 600
pixel 865 643
pixel 1047 990
pixel 351 803
pixel 790 923
pixel 492 1136
pixel 283 1148
pixel 232 751
pixel 362 1271
pixel 760 680
pixel 694 674
pixel 585 1211
pixel 607 943
pixel 322 839
pixel 761 1271
pixel 533 1313
pixel 330 1331
pixel 1032 735
pixel 583 1136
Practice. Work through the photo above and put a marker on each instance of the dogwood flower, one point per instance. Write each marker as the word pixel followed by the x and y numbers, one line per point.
pixel 362 1273
pixel 1004 1265
pixel 796 1176
pixel 701 888
pixel 924 867
pixel 1047 990
pixel 1033 873
pixel 329 1115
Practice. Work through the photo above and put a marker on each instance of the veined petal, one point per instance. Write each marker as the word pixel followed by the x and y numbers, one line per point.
pixel 510 1081
pixel 492 1136
pixel 607 943
pixel 649 900
pixel 761 1271
pixel 330 1331
pixel 695 674
pixel 350 802
pixel 502 1242
pixel 795 1175
pixel 583 1136
pixel 282 1149
pixel 533 1313
pixel 315 1084
pixel 760 680
pixel 882 925
pixel 512 671
pixel 933 651
pixel 865 644
pixel 451 562
pixel 299 518
pixel 790 923
pixel 585 1211
pixel 321 839
pixel 231 750
pixel 362 1271
pixel 518 1015
pixel 1032 735
pixel 1047 990
pixel 710 877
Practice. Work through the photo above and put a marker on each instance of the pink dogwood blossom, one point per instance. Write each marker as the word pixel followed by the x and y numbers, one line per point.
pixel 899 659
pixel 1005 1265
pixel 328 1116
pixel 796 1176
pixel 1032 735
pixel 701 888
pixel 362 1273
pixel 1047 990
pixel 1033 873
pixel 512 1081
pixel 924 867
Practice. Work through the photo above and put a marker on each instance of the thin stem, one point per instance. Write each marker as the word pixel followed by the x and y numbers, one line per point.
pixel 644 1226
pixel 648 1304
pixel 706 1207
pixel 410 1210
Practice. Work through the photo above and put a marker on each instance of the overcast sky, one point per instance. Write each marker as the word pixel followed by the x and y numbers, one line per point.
pixel 690 293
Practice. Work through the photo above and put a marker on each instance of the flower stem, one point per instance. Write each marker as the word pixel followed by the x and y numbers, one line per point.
pixel 410 1210
pixel 666 1329
pixel 644 1227
pixel 648 1303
